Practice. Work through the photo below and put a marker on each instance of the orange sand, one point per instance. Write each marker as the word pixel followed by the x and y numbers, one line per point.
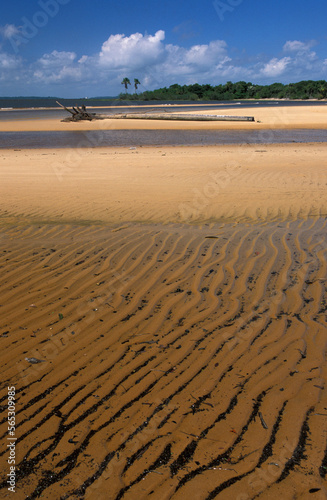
pixel 177 299
pixel 164 184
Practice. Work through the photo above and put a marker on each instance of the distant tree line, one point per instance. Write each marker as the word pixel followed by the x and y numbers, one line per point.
pixel 308 89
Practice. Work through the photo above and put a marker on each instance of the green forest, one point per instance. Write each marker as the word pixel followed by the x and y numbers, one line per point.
pixel 229 91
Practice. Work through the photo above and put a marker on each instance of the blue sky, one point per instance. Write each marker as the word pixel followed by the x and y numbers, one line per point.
pixel 79 48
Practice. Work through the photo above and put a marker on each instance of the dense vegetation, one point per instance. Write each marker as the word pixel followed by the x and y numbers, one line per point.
pixel 240 90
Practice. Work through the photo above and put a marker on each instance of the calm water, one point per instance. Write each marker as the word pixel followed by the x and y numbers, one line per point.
pixel 136 138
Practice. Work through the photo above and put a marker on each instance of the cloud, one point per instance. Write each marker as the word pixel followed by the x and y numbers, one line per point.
pixel 301 52
pixel 8 62
pixel 10 72
pixel 134 51
pixel 156 64
pixel 305 63
pixel 276 67
pixel 207 55
pixel 55 59
pixel 297 46
pixel 197 63
pixel 65 75
pixel 9 30
pixel 57 67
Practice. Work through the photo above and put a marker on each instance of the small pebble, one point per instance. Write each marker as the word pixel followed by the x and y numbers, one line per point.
pixel 34 361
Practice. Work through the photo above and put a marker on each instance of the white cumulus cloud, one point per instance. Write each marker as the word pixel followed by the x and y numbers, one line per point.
pixel 8 61
pixel 212 54
pixel 305 63
pixel 297 46
pixel 276 67
pixel 134 51
pixel 57 67
pixel 196 63
pixel 56 58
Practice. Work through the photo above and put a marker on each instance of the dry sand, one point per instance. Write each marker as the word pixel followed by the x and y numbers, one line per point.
pixel 164 184
pixel 177 298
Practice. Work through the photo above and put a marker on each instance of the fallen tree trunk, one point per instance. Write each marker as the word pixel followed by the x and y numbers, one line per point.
pixel 182 117
pixel 81 114
pixel 67 109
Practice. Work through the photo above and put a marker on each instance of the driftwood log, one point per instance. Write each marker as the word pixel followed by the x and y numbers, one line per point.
pixel 183 117
pixel 80 113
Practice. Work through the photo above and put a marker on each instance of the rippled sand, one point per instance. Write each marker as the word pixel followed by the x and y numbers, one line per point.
pixel 164 184
pixel 181 325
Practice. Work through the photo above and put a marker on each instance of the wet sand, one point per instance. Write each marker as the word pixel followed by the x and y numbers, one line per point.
pixel 177 300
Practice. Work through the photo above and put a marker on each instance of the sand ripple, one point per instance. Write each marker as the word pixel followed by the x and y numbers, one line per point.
pixel 177 359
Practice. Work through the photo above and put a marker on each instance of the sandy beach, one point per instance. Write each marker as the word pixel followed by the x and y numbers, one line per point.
pixel 163 316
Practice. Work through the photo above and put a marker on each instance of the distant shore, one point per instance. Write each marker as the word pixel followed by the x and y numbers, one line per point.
pixel 118 103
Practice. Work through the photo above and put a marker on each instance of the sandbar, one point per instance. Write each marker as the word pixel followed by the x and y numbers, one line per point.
pixel 283 117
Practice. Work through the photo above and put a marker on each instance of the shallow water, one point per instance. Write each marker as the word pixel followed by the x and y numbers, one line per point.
pixel 113 138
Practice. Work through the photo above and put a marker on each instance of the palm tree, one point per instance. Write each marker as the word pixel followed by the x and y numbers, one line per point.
pixel 136 83
pixel 126 82
pixel 323 92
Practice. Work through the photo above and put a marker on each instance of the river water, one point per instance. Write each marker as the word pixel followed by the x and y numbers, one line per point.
pixel 137 138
